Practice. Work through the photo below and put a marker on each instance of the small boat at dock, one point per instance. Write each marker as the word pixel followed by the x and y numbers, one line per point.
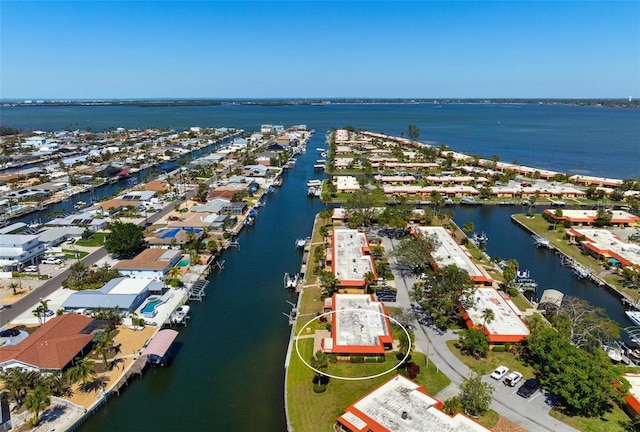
pixel 291 280
pixel 181 315
pixel 634 316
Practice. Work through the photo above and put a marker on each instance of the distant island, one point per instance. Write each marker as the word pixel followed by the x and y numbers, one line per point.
pixel 604 103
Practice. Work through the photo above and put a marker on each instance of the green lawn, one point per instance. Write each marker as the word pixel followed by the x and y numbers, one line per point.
pixel 71 254
pixel 312 412
pixel 614 421
pixel 95 240
pixel 494 359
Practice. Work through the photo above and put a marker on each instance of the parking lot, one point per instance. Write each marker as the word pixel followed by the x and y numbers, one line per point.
pixel 531 414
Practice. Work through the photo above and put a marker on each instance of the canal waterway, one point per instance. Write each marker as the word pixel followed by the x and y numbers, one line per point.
pixel 228 374
pixel 109 189
pixel 507 240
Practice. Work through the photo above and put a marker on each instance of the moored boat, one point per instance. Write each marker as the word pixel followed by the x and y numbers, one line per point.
pixel 634 316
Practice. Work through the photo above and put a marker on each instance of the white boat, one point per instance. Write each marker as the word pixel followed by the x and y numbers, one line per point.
pixel 614 353
pixel 314 183
pixel 634 316
pixel 79 205
pixel 311 191
pixel 301 243
pixel 290 281
pixel 181 315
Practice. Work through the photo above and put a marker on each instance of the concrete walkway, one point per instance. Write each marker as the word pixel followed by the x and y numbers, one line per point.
pixel 531 414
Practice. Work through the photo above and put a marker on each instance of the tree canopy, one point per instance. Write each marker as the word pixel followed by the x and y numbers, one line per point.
pixel 587 383
pixel 442 291
pixel 475 395
pixel 125 239
pixel 360 208
pixel 415 251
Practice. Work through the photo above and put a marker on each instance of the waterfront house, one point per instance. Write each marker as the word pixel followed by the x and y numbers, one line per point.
pixel 402 402
pixel 174 236
pixel 359 326
pixel 351 259
pixel 52 347
pixel 150 264
pixel 124 294
pixel 19 250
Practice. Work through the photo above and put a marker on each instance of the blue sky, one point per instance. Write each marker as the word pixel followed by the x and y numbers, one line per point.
pixel 306 49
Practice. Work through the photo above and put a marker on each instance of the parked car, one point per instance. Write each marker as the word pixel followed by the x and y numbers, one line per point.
pixel 529 387
pixel 54 261
pixel 30 269
pixel 512 379
pixel 500 372
pixel 71 240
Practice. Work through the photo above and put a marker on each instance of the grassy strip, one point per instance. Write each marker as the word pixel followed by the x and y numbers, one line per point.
pixel 484 366
pixel 95 240
pixel 311 411
pixel 614 421
pixel 556 237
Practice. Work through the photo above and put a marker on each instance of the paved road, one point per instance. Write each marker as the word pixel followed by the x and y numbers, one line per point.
pixel 49 287
pixel 532 414
pixel 46 289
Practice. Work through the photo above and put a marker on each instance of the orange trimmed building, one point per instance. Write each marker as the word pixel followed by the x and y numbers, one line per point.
pixel 448 252
pixel 507 324
pixel 588 217
pixel 351 259
pixel 633 397
pixel 359 326
pixel 402 405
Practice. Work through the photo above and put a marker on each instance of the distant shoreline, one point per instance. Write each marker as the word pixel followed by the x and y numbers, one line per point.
pixel 160 102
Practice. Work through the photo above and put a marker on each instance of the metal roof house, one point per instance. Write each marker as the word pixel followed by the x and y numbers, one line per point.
pixel 123 293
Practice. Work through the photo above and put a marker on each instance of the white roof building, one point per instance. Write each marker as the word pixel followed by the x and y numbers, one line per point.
pixel 400 405
pixel 448 252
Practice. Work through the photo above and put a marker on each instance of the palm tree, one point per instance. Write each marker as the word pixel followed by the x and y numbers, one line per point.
pixel 37 401
pixel 17 382
pixel 174 273
pixel 103 346
pixel 487 316
pixel 14 286
pixel 369 277
pixel 82 371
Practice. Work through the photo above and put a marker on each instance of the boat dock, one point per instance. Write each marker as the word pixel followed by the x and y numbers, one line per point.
pixel 197 291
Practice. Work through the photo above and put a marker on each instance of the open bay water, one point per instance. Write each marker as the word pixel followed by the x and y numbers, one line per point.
pixel 228 373
pixel 588 140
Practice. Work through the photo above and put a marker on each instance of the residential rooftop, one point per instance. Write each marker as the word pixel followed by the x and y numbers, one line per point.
pixel 400 405
pixel 448 252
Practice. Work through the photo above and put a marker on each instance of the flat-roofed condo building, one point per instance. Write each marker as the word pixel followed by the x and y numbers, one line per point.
pixel 351 259
pixel 400 405
pixel 359 326
pixel 448 252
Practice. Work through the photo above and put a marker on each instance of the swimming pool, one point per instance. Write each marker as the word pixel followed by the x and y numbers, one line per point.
pixel 15 208
pixel 184 262
pixel 149 309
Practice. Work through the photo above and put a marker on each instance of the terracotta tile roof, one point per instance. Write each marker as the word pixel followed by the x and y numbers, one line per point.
pixel 53 345
pixel 148 259
pixel 116 204
pixel 157 185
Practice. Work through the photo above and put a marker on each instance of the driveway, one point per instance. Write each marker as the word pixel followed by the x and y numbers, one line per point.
pixel 531 414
